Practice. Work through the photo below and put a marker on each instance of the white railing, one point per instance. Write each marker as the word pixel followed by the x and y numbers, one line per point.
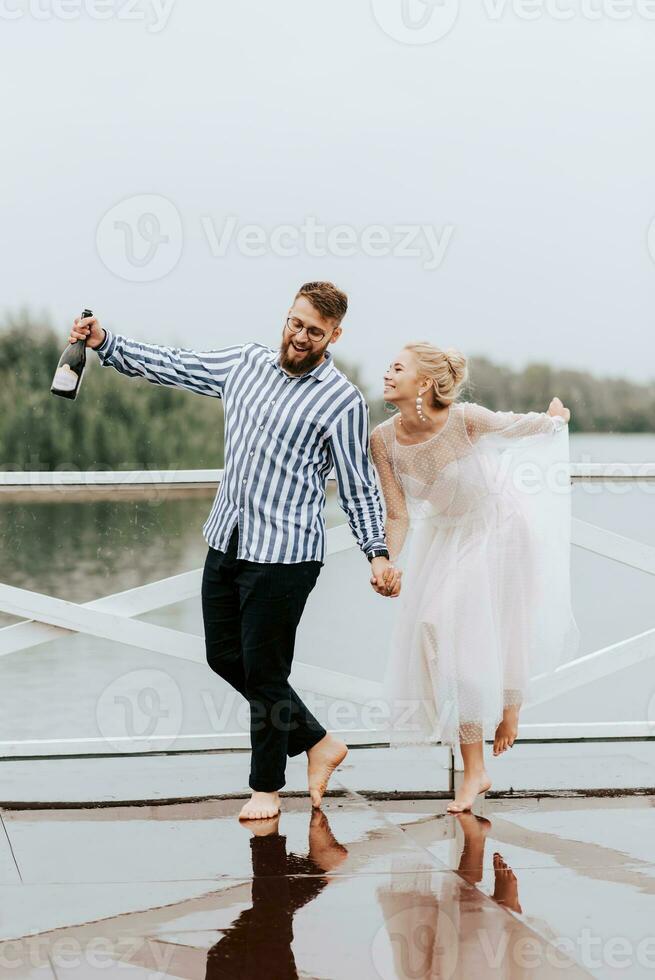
pixel 112 618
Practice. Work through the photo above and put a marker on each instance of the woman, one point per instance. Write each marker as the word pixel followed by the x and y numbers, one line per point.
pixel 485 602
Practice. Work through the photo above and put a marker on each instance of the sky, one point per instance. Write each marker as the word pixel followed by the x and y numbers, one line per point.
pixel 482 177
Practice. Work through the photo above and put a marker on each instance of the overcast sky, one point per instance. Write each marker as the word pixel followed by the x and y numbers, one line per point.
pixel 513 159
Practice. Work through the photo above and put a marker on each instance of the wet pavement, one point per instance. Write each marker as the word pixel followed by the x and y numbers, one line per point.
pixel 550 887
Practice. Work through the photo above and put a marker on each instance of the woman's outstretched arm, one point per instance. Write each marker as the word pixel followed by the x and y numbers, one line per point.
pixel 482 421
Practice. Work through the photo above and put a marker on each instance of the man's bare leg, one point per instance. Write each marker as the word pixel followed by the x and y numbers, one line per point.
pixel 322 759
pixel 261 806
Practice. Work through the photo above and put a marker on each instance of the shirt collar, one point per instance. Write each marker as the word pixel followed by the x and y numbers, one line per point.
pixel 320 372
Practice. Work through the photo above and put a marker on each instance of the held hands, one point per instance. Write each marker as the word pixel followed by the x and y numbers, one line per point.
pixel 88 329
pixel 557 408
pixel 385 579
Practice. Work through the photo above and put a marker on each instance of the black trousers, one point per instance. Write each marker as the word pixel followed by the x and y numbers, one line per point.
pixel 251 612
pixel 259 942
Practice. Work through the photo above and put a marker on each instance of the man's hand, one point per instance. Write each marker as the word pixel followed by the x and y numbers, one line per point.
pixel 385 579
pixel 88 329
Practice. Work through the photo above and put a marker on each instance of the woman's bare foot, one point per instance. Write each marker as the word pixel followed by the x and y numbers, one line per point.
pixel 471 862
pixel 261 806
pixel 506 889
pixel 472 784
pixel 507 729
pixel 322 759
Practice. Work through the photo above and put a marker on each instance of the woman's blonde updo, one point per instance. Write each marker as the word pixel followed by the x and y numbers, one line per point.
pixel 446 369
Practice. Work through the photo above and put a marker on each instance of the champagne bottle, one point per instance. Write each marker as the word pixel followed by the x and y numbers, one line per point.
pixel 68 376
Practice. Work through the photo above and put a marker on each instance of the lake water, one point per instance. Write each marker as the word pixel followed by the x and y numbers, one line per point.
pixel 81 551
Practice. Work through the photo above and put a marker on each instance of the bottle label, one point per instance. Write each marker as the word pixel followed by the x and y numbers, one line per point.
pixel 65 378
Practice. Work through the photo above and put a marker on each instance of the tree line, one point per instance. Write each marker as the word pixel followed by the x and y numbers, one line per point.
pixel 120 423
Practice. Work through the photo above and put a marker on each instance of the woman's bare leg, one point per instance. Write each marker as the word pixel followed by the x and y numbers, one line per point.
pixel 475 778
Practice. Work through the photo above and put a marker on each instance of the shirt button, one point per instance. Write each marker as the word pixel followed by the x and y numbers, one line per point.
pixel 245 481
pixel 252 454
pixel 241 509
pixel 261 426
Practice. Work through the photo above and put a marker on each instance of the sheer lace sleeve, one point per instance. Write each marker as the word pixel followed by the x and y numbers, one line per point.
pixel 397 517
pixel 482 421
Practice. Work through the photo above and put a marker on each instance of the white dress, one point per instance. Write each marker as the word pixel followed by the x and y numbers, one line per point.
pixel 478 518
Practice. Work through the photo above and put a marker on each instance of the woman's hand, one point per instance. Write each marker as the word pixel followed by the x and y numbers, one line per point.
pixel 557 408
pixel 392 580
pixel 388 583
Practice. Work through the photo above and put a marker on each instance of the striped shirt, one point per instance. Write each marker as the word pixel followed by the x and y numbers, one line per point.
pixel 283 435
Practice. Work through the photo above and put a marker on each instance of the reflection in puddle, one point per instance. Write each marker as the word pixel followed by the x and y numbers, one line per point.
pixel 259 941
pixel 471 863
pixel 439 926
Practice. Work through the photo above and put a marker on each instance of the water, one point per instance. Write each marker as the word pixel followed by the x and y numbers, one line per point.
pixel 80 551
pixel 601 447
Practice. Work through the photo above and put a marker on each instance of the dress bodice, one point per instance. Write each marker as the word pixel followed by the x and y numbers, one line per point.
pixel 456 474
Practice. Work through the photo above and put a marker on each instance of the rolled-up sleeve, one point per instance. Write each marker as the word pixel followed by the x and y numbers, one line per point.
pixel 204 372
pixel 357 489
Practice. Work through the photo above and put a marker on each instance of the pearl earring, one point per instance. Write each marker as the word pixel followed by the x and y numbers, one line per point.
pixel 419 409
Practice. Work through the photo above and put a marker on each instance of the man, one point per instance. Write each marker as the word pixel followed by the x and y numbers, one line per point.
pixel 290 416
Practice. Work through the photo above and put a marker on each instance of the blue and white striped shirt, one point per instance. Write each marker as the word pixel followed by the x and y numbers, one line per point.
pixel 283 435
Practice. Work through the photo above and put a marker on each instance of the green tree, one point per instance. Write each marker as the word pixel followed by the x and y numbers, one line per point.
pixel 119 423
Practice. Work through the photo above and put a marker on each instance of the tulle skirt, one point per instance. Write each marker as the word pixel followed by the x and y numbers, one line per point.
pixel 470 630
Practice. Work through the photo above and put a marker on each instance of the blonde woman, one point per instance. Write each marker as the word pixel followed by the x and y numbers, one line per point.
pixel 484 552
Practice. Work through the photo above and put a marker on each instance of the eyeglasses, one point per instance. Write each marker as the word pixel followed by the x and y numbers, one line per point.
pixel 315 334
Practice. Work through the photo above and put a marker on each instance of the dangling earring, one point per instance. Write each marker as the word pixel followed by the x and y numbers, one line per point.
pixel 419 408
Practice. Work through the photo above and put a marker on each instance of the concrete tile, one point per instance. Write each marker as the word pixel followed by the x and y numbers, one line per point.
pixel 545 833
pixel 128 778
pixel 119 779
pixel 591 765
pixel 408 923
pixel 404 769
pixel 8 870
pixel 604 917
pixel 29 910
pixel 577 871
pixel 187 841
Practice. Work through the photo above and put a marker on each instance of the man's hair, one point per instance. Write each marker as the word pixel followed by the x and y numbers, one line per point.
pixel 331 303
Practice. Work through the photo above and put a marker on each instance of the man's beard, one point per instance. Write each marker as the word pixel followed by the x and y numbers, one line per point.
pixel 299 365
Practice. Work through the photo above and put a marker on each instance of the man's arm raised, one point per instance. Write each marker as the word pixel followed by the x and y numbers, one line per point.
pixel 202 372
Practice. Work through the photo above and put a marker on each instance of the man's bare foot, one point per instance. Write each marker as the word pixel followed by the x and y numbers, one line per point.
pixel 507 729
pixel 261 806
pixel 472 784
pixel 322 759
pixel 324 849
pixel 262 828
pixel 506 889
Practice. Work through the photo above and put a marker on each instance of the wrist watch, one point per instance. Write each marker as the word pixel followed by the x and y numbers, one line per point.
pixel 378 553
